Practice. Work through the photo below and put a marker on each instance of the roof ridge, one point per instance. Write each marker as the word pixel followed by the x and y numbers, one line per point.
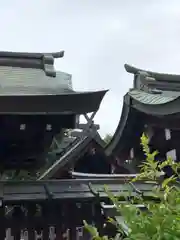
pixel 44 61
pixel 36 55
pixel 157 75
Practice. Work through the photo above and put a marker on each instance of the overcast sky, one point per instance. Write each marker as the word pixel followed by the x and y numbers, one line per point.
pixel 98 37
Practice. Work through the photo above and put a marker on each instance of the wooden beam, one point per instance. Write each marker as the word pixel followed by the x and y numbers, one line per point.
pixel 84 125
pixel 77 134
pixel 165 122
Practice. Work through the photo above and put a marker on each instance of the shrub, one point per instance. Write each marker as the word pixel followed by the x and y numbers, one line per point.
pixel 161 220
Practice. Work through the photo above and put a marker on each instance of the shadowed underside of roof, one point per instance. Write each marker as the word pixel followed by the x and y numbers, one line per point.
pixel 127 130
pixel 120 128
pixel 65 103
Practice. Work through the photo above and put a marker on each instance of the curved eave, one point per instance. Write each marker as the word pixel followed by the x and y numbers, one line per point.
pixel 156 75
pixel 66 103
pixel 125 132
pixel 155 104
pixel 116 141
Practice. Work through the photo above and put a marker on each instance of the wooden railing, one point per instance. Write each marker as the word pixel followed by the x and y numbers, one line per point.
pixel 55 210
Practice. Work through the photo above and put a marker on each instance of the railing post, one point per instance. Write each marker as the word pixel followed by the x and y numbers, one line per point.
pixel 31 224
pixel 2 222
pixel 2 214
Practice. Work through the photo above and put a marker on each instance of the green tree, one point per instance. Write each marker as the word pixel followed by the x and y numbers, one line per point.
pixel 107 138
pixel 161 221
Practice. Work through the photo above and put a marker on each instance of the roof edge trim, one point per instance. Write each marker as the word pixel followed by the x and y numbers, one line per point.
pixel 34 55
pixel 156 75
pixel 121 126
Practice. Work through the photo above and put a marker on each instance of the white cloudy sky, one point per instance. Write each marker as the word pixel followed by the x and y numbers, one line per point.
pixel 98 37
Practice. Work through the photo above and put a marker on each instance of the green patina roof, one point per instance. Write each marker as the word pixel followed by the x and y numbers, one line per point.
pixel 150 98
pixel 152 88
pixel 32 74
pixel 20 81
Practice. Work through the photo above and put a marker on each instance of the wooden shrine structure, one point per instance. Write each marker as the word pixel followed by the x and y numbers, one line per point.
pixel 151 106
pixel 37 104
pixel 84 154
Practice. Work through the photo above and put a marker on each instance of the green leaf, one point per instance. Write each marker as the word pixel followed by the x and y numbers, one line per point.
pixel 167 181
pixel 161 220
pixel 92 230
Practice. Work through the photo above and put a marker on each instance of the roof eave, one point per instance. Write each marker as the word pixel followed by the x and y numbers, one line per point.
pixel 156 75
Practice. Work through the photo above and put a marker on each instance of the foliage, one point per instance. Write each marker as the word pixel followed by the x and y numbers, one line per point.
pixel 107 138
pixel 161 220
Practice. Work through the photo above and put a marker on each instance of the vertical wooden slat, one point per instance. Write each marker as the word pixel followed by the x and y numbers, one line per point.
pixel 17 218
pixel 31 234
pixel 45 220
pixel 45 232
pixel 8 234
pixel 72 233
pixel 52 233
pixel 2 214
pixel 99 220
pixel 59 221
pixel 73 220
pixel 79 234
pixel 31 221
pixel 2 222
pixel 59 233
pixel 88 214
pixel 17 235
pixel 86 235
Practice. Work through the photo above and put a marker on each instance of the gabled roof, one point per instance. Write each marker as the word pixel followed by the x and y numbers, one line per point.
pixel 29 84
pixel 77 149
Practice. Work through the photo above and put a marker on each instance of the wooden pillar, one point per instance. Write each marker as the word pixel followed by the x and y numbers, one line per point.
pixel 99 218
pixel 45 220
pixel 175 135
pixel 59 221
pixel 59 232
pixel 17 217
pixel 72 215
pixel 31 224
pixel 2 221
pixel 45 232
pixel 65 227
pixel 2 214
